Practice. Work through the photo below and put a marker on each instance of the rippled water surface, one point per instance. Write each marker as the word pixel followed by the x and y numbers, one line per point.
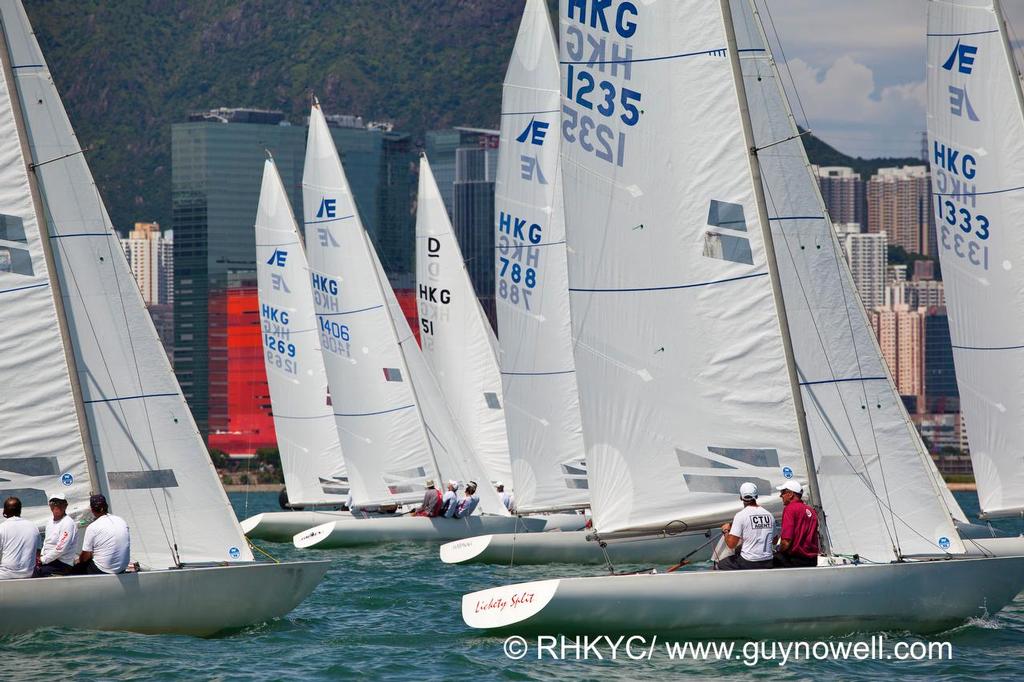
pixel 393 613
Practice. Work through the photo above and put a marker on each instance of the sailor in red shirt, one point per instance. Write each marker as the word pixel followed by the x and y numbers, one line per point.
pixel 798 541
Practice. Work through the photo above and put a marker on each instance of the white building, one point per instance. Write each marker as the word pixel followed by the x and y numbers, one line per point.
pixel 151 257
pixel 866 254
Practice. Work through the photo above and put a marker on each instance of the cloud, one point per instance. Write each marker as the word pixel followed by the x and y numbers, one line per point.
pixel 845 106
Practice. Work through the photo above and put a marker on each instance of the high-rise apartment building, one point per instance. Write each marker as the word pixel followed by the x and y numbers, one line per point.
pixel 941 394
pixel 217 165
pixel 866 255
pixel 843 191
pixel 151 257
pixel 925 293
pixel 900 333
pixel 899 204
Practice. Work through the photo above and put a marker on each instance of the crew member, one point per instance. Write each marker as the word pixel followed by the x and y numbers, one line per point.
pixel 19 539
pixel 752 530
pixel 450 502
pixel 468 503
pixel 58 552
pixel 798 541
pixel 107 545
pixel 431 501
pixel 506 498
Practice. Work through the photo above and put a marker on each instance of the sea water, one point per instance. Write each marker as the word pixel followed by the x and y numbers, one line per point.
pixel 393 612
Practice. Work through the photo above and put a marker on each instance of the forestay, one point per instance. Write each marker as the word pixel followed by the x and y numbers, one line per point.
pixel 152 462
pixel 307 436
pixel 976 138
pixel 537 368
pixel 378 420
pixel 43 451
pixel 879 487
pixel 455 334
pixel 453 457
pixel 682 374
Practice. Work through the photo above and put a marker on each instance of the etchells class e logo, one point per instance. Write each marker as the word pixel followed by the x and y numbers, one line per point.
pixel 962 57
pixel 787 472
pixel 234 553
pixel 67 479
pixel 944 542
pixel 328 208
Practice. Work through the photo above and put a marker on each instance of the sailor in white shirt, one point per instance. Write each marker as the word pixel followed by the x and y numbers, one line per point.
pixel 58 553
pixel 450 501
pixel 107 545
pixel 752 530
pixel 506 498
pixel 467 505
pixel 19 539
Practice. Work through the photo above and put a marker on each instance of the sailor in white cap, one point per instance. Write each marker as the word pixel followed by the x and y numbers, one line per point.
pixel 752 530
pixel 506 498
pixel 431 500
pixel 58 553
pixel 798 541
pixel 450 501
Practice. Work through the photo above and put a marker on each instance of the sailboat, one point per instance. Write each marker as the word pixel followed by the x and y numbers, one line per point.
pixel 90 403
pixel 394 425
pixel 455 336
pixel 976 137
pixel 538 370
pixel 307 437
pixel 709 290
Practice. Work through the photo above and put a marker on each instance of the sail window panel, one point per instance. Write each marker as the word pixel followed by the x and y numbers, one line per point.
pixel 12 229
pixel 141 480
pixel 392 374
pixel 690 459
pixel 758 457
pixel 728 247
pixel 30 497
pixel 492 400
pixel 15 260
pixel 31 466
pixel 727 215
pixel 722 484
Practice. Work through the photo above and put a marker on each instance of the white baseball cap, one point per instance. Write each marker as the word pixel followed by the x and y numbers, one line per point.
pixel 455 484
pixel 791 485
pixel 499 484
pixel 58 496
pixel 748 491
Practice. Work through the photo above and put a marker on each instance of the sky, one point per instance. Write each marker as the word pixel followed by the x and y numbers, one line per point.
pixel 858 66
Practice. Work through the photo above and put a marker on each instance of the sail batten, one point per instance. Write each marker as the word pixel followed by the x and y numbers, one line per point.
pixel 976 141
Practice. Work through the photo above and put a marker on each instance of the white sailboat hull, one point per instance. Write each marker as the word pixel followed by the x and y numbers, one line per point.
pixel 283 526
pixel 190 601
pixel 916 596
pixel 374 531
pixel 1009 546
pixel 574 548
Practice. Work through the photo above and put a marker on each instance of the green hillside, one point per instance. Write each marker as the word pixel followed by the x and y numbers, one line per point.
pixel 128 69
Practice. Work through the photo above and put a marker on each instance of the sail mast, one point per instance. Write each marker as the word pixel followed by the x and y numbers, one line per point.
pixel 773 268
pixel 51 267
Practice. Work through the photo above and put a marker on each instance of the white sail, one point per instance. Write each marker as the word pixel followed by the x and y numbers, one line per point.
pixel 43 448
pixel 538 371
pixel 379 423
pixel 455 334
pixel 303 417
pixel 976 143
pixel 683 380
pixel 452 454
pixel 153 464
pixel 879 486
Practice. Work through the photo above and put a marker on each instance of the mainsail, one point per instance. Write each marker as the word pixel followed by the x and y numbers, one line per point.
pixel 976 138
pixel 880 488
pixel 379 423
pixel 150 459
pixel 458 343
pixel 684 387
pixel 537 368
pixel 43 448
pixel 307 436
